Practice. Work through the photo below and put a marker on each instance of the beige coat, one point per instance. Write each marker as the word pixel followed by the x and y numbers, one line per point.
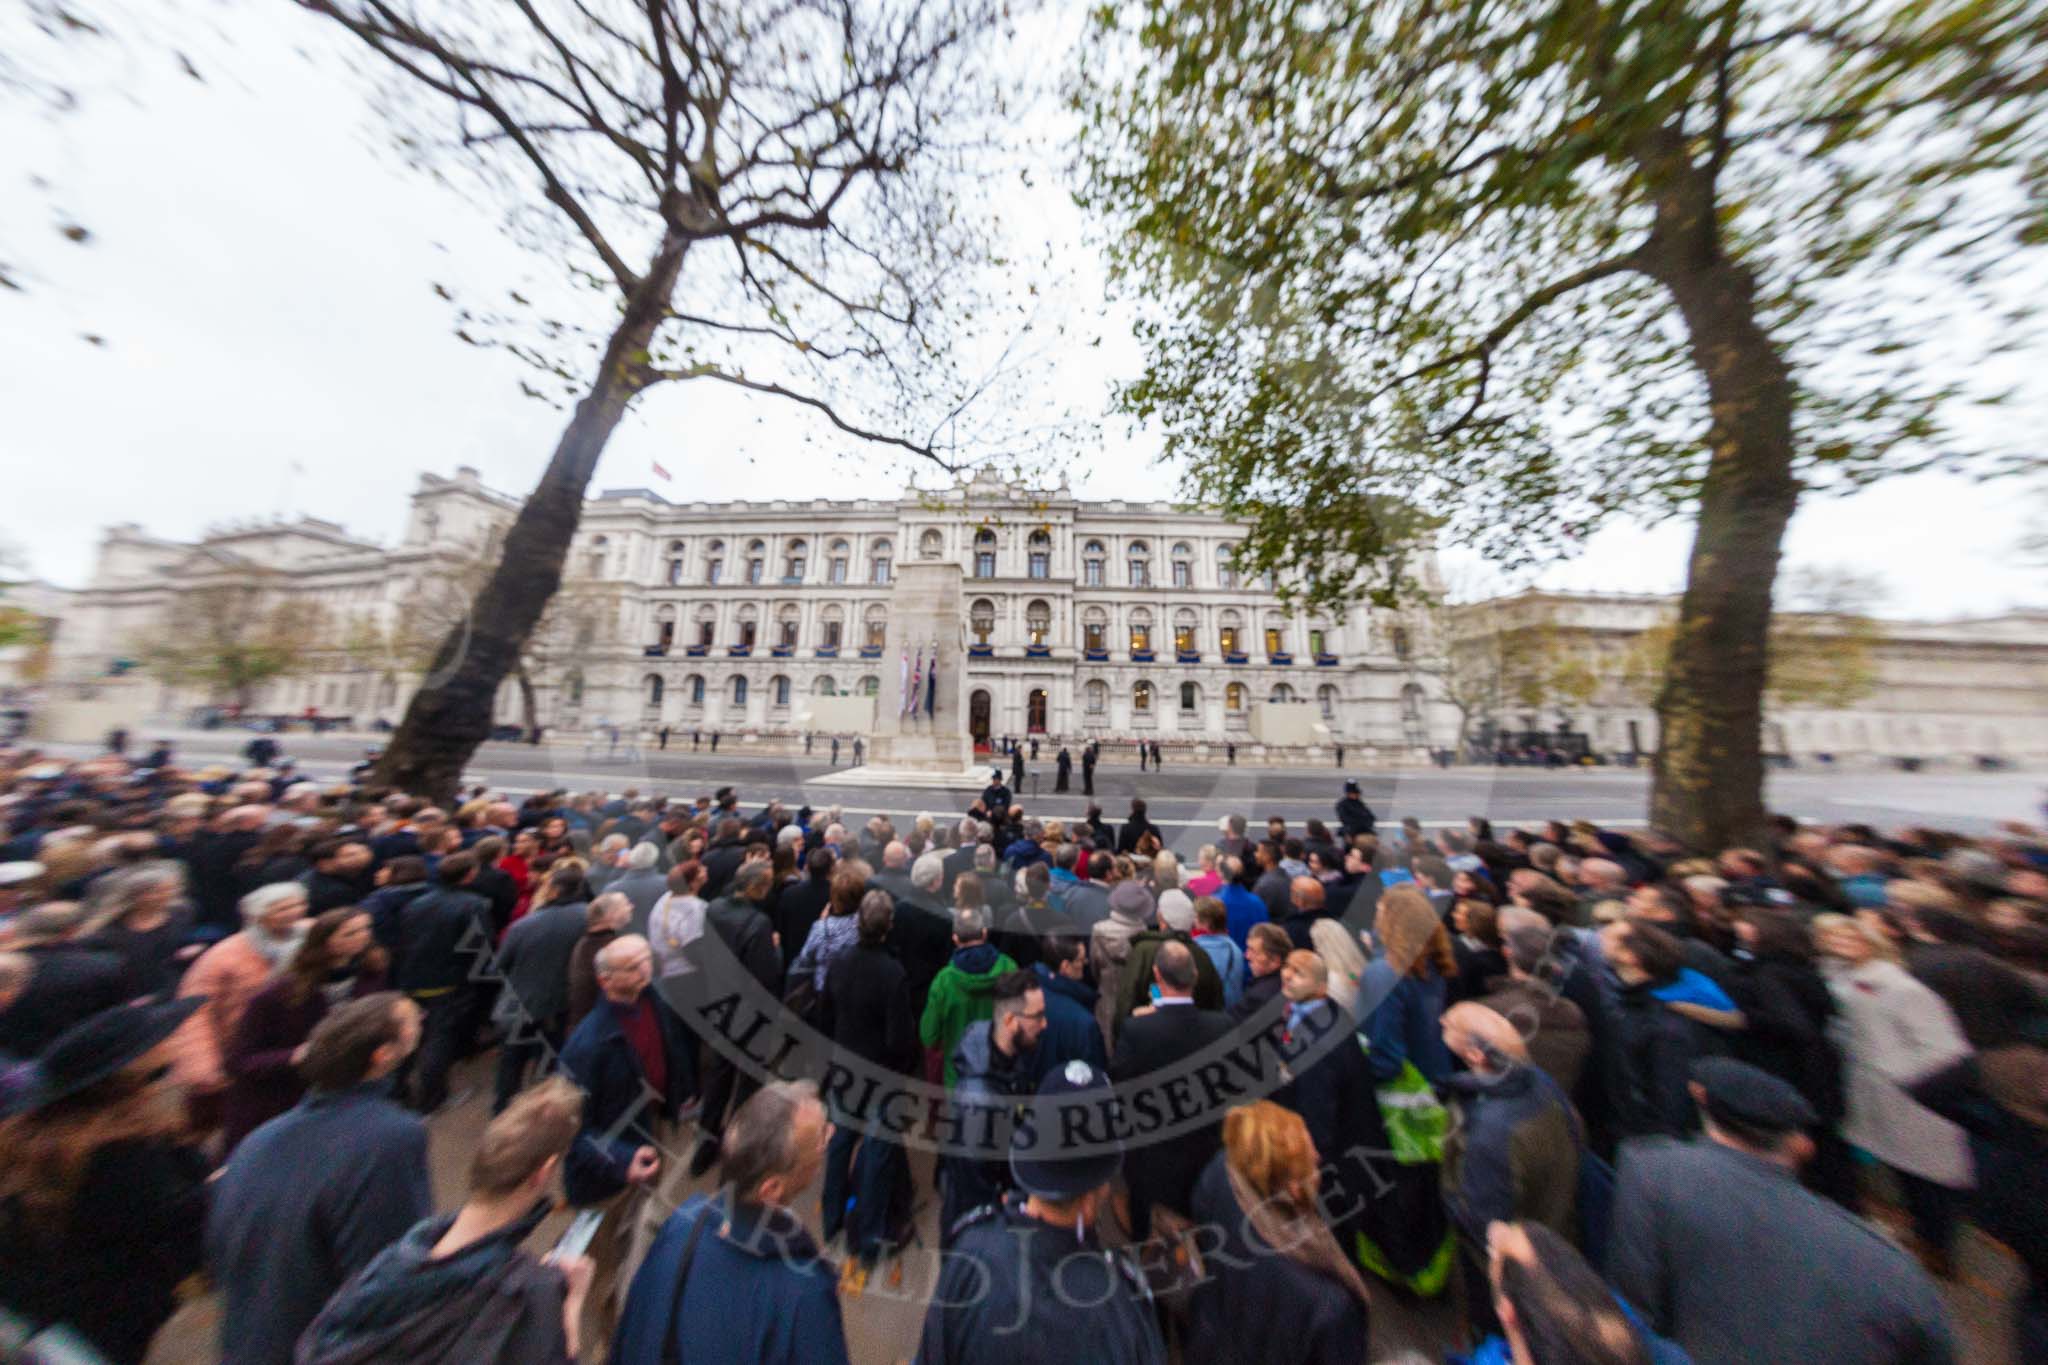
pixel 228 974
pixel 1893 1031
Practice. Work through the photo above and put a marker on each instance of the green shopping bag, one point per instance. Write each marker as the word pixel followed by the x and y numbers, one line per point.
pixel 1407 1238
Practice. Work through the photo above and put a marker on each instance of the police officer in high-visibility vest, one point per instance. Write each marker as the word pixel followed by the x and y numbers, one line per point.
pixel 1026 1281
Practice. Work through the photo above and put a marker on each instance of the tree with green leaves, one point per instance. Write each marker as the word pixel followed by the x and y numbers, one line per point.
pixel 230 635
pixel 769 199
pixel 1531 265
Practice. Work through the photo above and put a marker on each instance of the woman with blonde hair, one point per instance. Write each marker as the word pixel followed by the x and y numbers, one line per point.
pixel 1277 1289
pixel 1893 1031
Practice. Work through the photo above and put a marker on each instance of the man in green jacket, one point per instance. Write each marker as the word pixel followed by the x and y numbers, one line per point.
pixel 962 991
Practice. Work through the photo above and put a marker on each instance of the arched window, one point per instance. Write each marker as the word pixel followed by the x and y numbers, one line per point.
pixel 981 619
pixel 675 571
pixel 1185 624
pixel 778 692
pixel 1230 632
pixel 749 627
pixel 878 561
pixel 794 559
pixel 1190 697
pixel 931 544
pixel 1401 642
pixel 1097 695
pixel 739 690
pixel 787 624
pixel 1092 558
pixel 572 686
pixel 693 689
pixel 1095 629
pixel 1411 704
pixel 1326 698
pixel 707 626
pixel 1183 565
pixel 1141 630
pixel 1141 698
pixel 664 627
pixel 654 687
pixel 675 547
pixel 1038 622
pixel 1226 570
pixel 1317 641
pixel 838 553
pixel 984 553
pixel 825 687
pixel 1276 633
pixel 1038 551
pixel 598 555
pixel 757 561
pixel 714 561
pixel 1281 694
pixel 1140 557
pixel 832 627
pixel 876 625
pixel 1233 697
pixel 871 686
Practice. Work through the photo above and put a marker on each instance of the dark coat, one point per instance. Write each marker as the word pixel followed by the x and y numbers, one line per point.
pixel 535 959
pixel 1786 1008
pixel 721 860
pixel 757 1291
pixel 1071 1033
pixel 797 909
pixel 1259 1306
pixel 1815 1282
pixel 133 1233
pixel 150 956
pixel 1258 992
pixel 439 934
pixel 2011 1158
pixel 1136 828
pixel 921 938
pixel 1651 1049
pixel 488 1301
pixel 1165 1172
pixel 215 887
pixel 1015 1291
pixel 583 993
pixel 1553 1026
pixel 865 1008
pixel 745 930
pixel 1355 816
pixel 67 985
pixel 1514 1154
pixel 324 891
pixel 598 1058
pixel 497 886
pixel 307 1200
pixel 1135 982
pixel 262 1083
pixel 384 905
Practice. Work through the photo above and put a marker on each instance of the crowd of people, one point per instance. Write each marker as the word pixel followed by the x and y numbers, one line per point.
pixel 1617 1099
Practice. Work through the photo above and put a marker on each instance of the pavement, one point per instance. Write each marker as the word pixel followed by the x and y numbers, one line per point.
pixel 1186 800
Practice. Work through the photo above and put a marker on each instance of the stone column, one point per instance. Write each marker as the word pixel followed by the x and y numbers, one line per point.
pixel 926 607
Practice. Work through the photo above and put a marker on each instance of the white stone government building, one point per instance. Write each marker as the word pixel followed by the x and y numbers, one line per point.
pixel 1111 619
pixel 1083 618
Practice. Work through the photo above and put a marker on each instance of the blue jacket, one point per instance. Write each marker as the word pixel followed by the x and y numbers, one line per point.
pixel 598 1058
pixel 1241 911
pixel 1694 988
pixel 305 1202
pixel 757 1291
pixel 1405 1025
pixel 1070 1028
pixel 1229 960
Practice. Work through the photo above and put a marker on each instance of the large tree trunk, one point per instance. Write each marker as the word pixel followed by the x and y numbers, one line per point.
pixel 529 707
pixel 1708 784
pixel 450 715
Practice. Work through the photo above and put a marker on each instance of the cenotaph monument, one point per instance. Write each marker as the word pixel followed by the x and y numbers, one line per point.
pixel 920 717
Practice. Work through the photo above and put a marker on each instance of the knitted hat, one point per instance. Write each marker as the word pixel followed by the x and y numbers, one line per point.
pixel 1176 911
pixel 1131 901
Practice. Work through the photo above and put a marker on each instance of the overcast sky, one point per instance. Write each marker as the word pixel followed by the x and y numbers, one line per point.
pixel 260 272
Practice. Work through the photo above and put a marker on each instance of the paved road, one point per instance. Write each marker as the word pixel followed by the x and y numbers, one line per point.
pixel 1187 799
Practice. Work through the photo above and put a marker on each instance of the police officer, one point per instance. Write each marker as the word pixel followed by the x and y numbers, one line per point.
pixel 1027 1281
pixel 1088 770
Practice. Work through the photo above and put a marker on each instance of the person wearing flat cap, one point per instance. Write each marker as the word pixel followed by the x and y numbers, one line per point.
pixel 1027 1282
pixel 1717 1245
pixel 102 1195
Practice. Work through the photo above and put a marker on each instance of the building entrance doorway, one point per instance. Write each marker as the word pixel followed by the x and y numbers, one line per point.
pixel 1034 711
pixel 977 716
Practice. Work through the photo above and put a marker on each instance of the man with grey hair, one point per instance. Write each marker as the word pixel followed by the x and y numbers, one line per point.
pixel 735 1276
pixel 1532 998
pixel 642 883
pixel 997 892
pixel 605 920
pixel 630 1046
pixel 608 860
